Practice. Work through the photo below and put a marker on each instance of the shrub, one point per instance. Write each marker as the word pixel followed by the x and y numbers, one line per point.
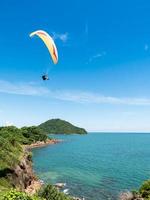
pixel 145 189
pixel 51 193
pixel 16 195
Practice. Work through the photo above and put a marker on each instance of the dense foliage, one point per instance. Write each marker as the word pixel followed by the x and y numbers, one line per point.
pixel 11 141
pixel 47 193
pixel 145 190
pixel 33 134
pixel 10 148
pixel 60 126
pixel 51 193
pixel 16 195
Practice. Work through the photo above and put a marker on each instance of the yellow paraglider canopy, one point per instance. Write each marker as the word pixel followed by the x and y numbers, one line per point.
pixel 49 42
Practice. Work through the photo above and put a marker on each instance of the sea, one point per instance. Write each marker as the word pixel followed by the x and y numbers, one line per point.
pixel 96 166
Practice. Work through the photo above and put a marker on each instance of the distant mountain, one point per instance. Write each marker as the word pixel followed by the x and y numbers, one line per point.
pixel 57 126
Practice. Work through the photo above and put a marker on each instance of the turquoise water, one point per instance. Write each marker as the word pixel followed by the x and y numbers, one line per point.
pixel 98 165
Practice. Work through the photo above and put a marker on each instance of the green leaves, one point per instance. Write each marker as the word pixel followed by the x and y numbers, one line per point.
pixel 145 190
pixel 33 134
pixel 47 193
pixel 51 193
pixel 16 195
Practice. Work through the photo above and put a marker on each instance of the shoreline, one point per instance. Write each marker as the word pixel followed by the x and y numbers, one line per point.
pixel 36 183
pixel 42 143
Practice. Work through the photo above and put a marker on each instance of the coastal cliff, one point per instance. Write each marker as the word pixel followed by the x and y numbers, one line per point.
pixel 15 159
pixel 22 175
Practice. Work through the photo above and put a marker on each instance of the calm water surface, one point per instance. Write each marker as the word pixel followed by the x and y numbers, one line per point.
pixel 97 165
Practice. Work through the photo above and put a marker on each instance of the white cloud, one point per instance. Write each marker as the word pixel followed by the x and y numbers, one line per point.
pixel 30 89
pixel 61 36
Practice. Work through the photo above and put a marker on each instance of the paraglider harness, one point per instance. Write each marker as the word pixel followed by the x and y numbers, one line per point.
pixel 45 77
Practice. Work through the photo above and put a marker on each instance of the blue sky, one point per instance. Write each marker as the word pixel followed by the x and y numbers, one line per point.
pixel 102 79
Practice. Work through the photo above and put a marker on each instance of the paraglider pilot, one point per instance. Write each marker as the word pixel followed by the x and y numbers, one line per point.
pixel 45 77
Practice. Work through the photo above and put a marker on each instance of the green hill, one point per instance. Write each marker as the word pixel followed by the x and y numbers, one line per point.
pixel 57 126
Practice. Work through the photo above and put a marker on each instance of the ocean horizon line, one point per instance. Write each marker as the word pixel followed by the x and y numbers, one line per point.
pixel 119 132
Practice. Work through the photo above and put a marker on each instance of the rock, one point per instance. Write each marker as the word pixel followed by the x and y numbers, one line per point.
pixel 130 196
pixel 33 187
pixel 22 175
pixel 60 185
pixel 77 198
pixel 126 196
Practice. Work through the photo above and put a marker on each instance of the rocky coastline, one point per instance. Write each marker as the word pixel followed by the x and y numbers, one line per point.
pixel 23 176
pixel 42 143
pixel 35 184
pixel 130 196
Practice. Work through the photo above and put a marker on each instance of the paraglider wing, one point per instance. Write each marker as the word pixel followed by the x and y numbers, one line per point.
pixel 49 42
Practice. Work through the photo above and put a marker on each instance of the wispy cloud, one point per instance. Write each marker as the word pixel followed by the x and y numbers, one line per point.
pixel 22 88
pixel 72 96
pixel 61 36
pixel 96 56
pixel 146 47
pixel 86 29
pixel 86 97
